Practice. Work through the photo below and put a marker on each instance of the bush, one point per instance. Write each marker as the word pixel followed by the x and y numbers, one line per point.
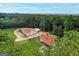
pixel 68 45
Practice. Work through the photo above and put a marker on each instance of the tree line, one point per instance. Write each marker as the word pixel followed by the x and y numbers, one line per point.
pixel 56 24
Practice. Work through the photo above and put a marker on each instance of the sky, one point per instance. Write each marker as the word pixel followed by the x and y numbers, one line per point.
pixel 40 8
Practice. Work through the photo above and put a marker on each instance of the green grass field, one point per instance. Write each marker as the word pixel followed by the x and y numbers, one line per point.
pixel 29 47
pixel 67 45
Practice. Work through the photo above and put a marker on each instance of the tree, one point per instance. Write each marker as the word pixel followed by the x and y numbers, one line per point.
pixel 58 31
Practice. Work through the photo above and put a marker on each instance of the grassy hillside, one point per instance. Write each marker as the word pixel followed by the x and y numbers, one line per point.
pixel 29 47
pixel 67 45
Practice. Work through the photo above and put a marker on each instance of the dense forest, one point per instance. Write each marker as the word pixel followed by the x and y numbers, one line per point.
pixel 56 24
pixel 64 26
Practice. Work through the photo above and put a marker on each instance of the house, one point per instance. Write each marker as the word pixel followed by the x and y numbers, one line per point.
pixel 47 39
pixel 29 31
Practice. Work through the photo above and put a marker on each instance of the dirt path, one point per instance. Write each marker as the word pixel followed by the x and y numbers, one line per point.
pixel 19 36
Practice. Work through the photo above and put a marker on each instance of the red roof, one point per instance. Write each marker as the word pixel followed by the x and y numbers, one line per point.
pixel 27 30
pixel 47 39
